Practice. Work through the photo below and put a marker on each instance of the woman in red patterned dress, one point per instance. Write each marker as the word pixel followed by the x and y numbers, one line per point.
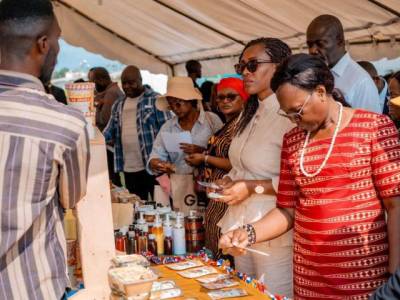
pixel 340 172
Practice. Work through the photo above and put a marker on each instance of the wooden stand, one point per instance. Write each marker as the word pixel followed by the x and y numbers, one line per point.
pixel 95 226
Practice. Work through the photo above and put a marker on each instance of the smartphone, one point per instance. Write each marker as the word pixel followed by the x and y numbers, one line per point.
pixel 210 185
pixel 215 195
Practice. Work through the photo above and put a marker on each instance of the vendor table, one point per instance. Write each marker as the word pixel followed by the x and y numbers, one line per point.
pixel 192 288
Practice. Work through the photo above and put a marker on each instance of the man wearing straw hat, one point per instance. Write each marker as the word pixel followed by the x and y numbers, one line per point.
pixel 190 121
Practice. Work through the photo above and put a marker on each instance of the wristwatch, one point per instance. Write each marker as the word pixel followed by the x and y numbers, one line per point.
pixel 259 189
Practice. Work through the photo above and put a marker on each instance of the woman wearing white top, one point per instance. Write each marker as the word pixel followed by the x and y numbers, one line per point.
pixel 250 187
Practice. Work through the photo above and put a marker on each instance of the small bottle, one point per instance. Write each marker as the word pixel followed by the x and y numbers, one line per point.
pixel 152 244
pixel 141 223
pixel 119 242
pixel 167 228
pixel 142 242
pixel 131 246
pixel 178 236
pixel 168 245
pixel 159 235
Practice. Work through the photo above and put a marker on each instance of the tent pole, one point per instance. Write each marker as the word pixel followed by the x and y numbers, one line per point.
pixel 385 7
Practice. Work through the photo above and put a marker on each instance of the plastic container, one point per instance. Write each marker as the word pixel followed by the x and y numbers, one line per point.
pixel 131 280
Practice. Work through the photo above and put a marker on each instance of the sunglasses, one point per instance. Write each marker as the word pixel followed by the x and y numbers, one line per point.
pixel 251 65
pixel 295 116
pixel 230 97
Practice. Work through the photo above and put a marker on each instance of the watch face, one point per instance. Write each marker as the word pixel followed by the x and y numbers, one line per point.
pixel 259 189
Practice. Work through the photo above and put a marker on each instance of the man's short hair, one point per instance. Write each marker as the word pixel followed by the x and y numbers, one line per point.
pixel 20 10
pixel 192 66
pixel 100 73
pixel 332 22
pixel 23 21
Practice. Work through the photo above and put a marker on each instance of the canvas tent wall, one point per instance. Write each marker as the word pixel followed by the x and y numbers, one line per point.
pixel 161 35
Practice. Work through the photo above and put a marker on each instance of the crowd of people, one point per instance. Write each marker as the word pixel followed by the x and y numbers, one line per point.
pixel 303 151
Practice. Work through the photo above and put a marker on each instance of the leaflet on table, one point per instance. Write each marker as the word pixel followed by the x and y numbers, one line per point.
pixel 172 140
pixel 220 284
pixel 185 265
pixel 213 278
pixel 198 272
pixel 222 294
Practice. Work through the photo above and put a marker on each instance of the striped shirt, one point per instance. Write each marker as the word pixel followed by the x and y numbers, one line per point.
pixel 44 156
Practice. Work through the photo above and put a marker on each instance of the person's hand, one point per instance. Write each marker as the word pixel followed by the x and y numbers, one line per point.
pixel 191 148
pixel 195 159
pixel 235 192
pixel 159 166
pixel 394 111
pixel 223 182
pixel 234 242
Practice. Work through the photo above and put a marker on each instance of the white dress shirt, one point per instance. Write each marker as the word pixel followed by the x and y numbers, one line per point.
pixel 356 85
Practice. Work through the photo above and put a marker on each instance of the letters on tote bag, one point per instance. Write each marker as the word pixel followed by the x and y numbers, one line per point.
pixel 183 195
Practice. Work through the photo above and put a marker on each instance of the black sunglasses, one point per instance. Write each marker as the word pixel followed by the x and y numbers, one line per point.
pixel 251 65
pixel 231 97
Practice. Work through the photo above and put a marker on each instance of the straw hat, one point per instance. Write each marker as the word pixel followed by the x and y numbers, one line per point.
pixel 181 88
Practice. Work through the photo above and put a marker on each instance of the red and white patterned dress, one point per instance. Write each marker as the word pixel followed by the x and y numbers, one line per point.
pixel 340 234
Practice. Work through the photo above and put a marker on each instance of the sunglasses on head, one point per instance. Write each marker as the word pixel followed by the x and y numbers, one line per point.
pixel 251 65
pixel 230 97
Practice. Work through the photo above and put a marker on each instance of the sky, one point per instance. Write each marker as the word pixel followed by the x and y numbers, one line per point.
pixel 68 57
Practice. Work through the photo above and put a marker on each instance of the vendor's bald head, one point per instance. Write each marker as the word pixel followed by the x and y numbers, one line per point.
pixel 29 34
pixel 131 81
pixel 325 38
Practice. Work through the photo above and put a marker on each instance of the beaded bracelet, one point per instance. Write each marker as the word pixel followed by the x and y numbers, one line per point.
pixel 251 233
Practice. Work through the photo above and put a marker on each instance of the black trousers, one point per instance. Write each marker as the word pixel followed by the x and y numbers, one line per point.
pixel 114 177
pixel 140 183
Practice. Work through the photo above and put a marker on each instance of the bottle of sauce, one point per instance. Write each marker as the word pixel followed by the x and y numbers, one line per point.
pixel 158 232
pixel 152 244
pixel 168 245
pixel 119 242
pixel 131 246
pixel 142 242
pixel 178 236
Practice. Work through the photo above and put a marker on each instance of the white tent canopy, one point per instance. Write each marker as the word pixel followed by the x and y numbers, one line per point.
pixel 161 35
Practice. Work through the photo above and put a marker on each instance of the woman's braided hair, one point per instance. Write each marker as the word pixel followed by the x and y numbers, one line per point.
pixel 277 51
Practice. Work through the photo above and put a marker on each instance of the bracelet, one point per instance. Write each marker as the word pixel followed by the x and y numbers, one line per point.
pixel 206 160
pixel 251 233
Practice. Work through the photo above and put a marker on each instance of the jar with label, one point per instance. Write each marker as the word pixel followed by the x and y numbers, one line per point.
pixel 194 232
